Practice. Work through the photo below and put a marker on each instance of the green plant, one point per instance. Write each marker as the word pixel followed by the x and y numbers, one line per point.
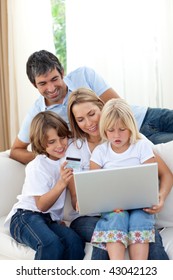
pixel 59 30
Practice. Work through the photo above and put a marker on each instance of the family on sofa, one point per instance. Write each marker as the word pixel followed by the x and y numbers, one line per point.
pixel 81 109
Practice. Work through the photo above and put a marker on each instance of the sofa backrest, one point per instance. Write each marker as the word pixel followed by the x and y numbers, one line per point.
pixel 165 217
pixel 11 182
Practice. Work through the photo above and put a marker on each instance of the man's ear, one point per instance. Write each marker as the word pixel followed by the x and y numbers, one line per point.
pixel 34 84
pixel 62 73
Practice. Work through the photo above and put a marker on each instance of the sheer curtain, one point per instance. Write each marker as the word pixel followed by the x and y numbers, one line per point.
pixel 29 30
pixel 4 90
pixel 130 43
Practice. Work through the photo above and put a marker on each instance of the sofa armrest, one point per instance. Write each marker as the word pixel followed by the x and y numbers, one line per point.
pixel 165 217
pixel 5 153
pixel 11 181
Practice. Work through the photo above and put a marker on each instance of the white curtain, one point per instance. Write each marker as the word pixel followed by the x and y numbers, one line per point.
pixel 129 42
pixel 30 30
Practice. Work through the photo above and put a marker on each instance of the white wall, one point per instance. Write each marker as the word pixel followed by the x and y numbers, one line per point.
pixel 129 42
pixel 30 30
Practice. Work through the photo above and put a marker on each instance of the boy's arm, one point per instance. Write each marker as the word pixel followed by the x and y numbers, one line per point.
pixel 71 187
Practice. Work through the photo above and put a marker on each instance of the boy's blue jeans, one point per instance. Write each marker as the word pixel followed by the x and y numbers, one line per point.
pixel 85 225
pixel 51 240
pixel 158 125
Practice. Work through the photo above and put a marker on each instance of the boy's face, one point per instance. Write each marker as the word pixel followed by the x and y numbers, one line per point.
pixel 52 87
pixel 56 146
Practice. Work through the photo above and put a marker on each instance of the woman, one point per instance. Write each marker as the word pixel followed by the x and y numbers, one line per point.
pixel 84 111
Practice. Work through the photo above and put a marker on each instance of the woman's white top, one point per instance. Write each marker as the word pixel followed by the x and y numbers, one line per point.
pixel 80 149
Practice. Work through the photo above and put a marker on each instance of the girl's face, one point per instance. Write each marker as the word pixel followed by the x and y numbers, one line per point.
pixel 119 137
pixel 56 146
pixel 87 116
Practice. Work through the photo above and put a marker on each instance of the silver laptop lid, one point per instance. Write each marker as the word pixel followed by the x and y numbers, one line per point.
pixel 104 190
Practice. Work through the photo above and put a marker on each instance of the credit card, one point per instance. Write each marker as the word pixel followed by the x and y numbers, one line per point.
pixel 73 163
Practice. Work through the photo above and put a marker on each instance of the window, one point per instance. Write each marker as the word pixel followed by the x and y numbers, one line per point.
pixel 59 30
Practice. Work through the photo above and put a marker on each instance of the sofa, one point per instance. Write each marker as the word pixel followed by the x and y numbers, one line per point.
pixel 11 180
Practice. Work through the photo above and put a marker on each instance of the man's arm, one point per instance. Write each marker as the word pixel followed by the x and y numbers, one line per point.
pixel 20 153
pixel 108 94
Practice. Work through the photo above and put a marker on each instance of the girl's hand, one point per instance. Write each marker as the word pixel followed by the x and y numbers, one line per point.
pixel 156 208
pixel 65 173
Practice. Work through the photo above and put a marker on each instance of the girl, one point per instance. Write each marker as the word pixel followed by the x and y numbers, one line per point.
pixel 36 219
pixel 124 146
pixel 84 111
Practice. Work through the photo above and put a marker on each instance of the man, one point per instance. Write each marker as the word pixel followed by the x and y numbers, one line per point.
pixel 46 73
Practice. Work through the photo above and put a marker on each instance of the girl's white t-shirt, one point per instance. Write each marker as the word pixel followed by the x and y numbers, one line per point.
pixel 136 154
pixel 42 174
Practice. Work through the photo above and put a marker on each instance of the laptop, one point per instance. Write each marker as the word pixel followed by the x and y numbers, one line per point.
pixel 104 190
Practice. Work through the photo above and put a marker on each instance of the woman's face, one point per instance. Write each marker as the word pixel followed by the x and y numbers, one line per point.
pixel 87 116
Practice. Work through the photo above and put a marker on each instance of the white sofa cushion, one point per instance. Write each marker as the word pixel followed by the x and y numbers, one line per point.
pixel 167 238
pixel 165 217
pixel 11 249
pixel 12 178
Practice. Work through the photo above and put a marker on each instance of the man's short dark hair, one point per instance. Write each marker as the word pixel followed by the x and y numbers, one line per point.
pixel 40 63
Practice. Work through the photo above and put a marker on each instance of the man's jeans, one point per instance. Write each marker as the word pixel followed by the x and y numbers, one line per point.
pixel 51 240
pixel 158 125
pixel 84 226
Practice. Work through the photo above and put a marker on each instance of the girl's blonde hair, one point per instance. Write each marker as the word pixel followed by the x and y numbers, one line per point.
pixel 40 124
pixel 81 95
pixel 118 109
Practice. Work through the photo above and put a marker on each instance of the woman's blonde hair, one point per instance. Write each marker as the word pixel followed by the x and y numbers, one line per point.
pixel 118 109
pixel 81 95
pixel 40 124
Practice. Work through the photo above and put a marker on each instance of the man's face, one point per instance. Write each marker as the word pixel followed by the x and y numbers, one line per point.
pixel 51 86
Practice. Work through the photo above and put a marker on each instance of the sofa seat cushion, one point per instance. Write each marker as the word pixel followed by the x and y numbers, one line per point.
pixel 11 249
pixel 167 238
